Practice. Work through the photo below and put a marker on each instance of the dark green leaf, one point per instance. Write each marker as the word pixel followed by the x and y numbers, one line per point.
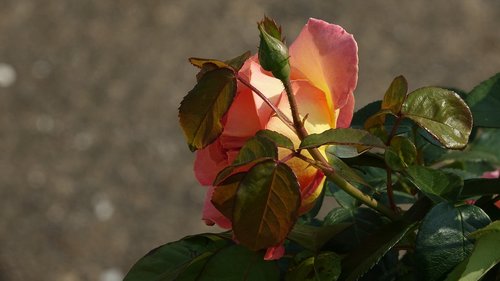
pixel 484 102
pixel 314 237
pixel 395 95
pixel 401 153
pixel 442 113
pixel 480 187
pixel 358 262
pixel 202 257
pixel 344 170
pixel 363 222
pixel 255 148
pixel 323 267
pixel 201 110
pixel 436 184
pixel 360 116
pixel 377 244
pixel 266 205
pixel 279 139
pixel 485 146
pixel 443 242
pixel 343 136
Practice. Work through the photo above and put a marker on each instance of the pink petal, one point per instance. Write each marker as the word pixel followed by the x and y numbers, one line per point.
pixel 209 162
pixel 492 174
pixel 211 215
pixel 345 113
pixel 274 253
pixel 326 55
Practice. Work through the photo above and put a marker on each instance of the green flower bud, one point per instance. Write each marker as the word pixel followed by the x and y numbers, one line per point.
pixel 273 55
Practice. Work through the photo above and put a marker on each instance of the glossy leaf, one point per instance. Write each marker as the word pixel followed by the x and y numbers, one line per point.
pixel 400 154
pixel 202 109
pixel 395 95
pixel 484 102
pixel 278 139
pixel 323 267
pixel 203 257
pixel 343 136
pixel 442 113
pixel 314 237
pixel 443 242
pixel 266 205
pixel 436 184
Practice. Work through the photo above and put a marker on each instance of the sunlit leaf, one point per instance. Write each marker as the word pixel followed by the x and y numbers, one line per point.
pixel 201 110
pixel 278 139
pixel 395 95
pixel 400 154
pixel 343 136
pixel 234 63
pixel 436 184
pixel 484 102
pixel 266 205
pixel 442 113
pixel 443 239
pixel 224 195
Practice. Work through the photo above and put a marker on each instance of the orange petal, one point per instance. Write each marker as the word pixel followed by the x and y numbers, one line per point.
pixel 327 56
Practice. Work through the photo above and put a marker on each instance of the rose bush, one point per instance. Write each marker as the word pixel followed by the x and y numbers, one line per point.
pixel 324 72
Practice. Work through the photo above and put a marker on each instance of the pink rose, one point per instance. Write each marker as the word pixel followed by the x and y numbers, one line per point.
pixel 324 63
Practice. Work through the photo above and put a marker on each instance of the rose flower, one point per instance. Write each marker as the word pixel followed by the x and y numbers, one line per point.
pixel 324 72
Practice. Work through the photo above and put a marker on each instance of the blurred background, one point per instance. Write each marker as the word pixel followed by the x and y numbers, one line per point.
pixel 94 171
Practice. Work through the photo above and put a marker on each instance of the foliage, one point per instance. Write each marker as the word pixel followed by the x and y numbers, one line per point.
pixel 407 177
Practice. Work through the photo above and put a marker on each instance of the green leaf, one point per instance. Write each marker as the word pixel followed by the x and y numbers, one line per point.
pixel 492 228
pixel 401 153
pixel 255 148
pixel 323 267
pixel 363 222
pixel 234 63
pixel 314 237
pixel 201 110
pixel 278 139
pixel 485 146
pixel 360 116
pixel 237 62
pixel 395 95
pixel 203 257
pixel 442 113
pixel 436 184
pixel 480 187
pixel 343 136
pixel 377 245
pixel 483 258
pixel 266 205
pixel 442 241
pixel 360 261
pixel 344 170
pixel 484 102
pixel 224 195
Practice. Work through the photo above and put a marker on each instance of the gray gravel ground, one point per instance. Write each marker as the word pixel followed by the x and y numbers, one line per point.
pixel 94 171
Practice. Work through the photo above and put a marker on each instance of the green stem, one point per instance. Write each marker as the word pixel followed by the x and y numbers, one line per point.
pixel 330 173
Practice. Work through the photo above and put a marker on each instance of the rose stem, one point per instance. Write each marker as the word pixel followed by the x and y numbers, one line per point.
pixel 330 173
pixel 276 110
pixel 390 190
